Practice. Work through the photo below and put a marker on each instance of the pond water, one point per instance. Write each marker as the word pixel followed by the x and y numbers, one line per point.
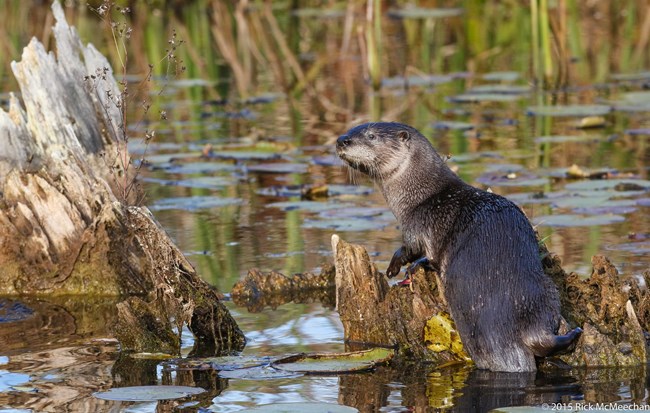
pixel 226 168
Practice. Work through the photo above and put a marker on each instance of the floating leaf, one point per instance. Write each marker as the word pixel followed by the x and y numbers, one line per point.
pixel 484 97
pixel 569 110
pixel 198 167
pixel 567 138
pixel 300 408
pixel 312 206
pixel 571 220
pixel 606 184
pixel 501 76
pixel 168 158
pixel 632 247
pixel 631 76
pixel 148 393
pixel 206 182
pixel 633 102
pixel 358 190
pixel 582 200
pixel 246 155
pixel 500 89
pixel 258 373
pixel 279 168
pixel 415 80
pixel 498 178
pixel 194 203
pixel 356 212
pixel 327 160
pixel 424 13
pixel 348 224
pixel 453 125
pixel 225 363
pixel 335 362
pixel 638 132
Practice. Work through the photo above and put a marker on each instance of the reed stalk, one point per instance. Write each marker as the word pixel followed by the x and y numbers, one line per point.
pixel 373 30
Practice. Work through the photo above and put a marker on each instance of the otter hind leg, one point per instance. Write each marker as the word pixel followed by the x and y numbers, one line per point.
pixel 551 344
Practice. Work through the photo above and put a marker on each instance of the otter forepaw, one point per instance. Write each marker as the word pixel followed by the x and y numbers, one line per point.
pixel 420 262
pixel 396 263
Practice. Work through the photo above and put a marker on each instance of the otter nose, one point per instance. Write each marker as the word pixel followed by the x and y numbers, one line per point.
pixel 343 141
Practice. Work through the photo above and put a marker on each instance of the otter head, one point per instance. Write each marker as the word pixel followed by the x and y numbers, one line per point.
pixel 381 150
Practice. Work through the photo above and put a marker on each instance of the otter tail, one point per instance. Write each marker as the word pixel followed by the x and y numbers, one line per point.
pixel 552 344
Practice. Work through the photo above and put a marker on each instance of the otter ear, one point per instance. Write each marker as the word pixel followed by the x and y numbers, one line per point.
pixel 403 136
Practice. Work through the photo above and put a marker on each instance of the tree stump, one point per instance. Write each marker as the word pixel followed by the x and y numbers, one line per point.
pixel 62 228
pixel 613 312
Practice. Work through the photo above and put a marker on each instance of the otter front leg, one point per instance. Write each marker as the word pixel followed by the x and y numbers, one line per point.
pixel 401 257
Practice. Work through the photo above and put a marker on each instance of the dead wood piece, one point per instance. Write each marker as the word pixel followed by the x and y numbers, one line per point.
pixel 272 289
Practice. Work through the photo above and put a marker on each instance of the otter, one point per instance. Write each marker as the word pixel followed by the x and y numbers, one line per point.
pixel 506 309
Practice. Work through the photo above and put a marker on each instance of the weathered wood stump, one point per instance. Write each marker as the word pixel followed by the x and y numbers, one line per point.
pixel 614 313
pixel 62 228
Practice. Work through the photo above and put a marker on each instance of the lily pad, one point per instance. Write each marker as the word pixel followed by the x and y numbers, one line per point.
pixel 511 179
pixel 424 13
pixel 335 362
pixel 606 184
pixel 569 110
pixel 638 132
pixel 301 408
pixel 357 190
pixel 453 125
pixel 225 363
pixel 572 220
pixel 279 168
pixel 500 89
pixel 633 102
pixel 258 373
pixel 567 138
pixel 501 76
pixel 194 203
pixel 484 97
pixel 415 81
pixel 631 76
pixel 348 224
pixel 632 247
pixel 356 212
pixel 206 182
pixel 148 393
pixel 198 167
pixel 246 155
pixel 582 200
pixel 168 158
pixel 311 206
pixel 327 160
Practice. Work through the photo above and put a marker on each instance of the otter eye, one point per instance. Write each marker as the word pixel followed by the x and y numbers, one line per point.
pixel 371 136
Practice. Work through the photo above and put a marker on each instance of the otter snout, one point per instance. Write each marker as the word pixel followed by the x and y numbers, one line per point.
pixel 343 141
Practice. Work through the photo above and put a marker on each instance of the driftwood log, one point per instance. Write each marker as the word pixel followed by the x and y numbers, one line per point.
pixel 614 313
pixel 62 228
